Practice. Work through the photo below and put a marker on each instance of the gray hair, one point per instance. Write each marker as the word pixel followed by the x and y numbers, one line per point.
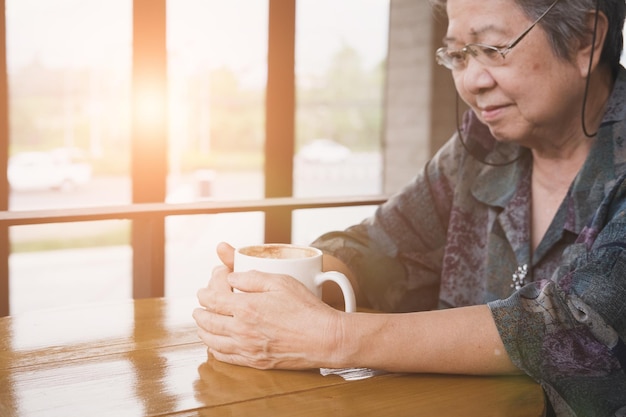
pixel 565 24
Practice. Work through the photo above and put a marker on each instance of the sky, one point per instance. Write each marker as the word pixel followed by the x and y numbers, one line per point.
pixel 67 33
pixel 97 33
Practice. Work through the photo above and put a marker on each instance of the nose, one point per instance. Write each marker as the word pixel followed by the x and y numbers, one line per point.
pixel 475 77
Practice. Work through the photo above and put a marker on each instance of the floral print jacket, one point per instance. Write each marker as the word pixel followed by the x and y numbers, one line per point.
pixel 459 234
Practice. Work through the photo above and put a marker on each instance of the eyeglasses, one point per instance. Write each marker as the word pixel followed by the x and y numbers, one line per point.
pixel 488 55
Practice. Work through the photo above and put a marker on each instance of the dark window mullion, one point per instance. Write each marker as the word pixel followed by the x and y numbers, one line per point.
pixel 280 116
pixel 4 156
pixel 149 144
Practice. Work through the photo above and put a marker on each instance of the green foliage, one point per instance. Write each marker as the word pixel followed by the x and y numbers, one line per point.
pixel 223 121
pixel 344 105
pixel 100 238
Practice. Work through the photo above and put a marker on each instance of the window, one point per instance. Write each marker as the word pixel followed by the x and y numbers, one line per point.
pixel 339 75
pixel 70 84
pixel 69 67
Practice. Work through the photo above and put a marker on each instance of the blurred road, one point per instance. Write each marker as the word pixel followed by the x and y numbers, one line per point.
pixel 61 277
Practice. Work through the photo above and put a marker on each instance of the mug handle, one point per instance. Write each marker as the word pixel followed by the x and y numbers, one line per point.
pixel 344 283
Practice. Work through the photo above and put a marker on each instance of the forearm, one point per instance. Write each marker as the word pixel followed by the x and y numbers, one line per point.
pixel 461 341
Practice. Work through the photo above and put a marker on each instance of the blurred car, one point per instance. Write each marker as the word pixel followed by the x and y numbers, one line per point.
pixel 323 151
pixel 60 169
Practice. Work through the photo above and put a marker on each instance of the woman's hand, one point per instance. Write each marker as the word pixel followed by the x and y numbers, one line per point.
pixel 275 322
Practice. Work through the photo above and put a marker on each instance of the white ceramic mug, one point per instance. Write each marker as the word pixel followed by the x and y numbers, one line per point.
pixel 304 263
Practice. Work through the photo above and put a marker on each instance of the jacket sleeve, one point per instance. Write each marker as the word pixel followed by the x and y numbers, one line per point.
pixel 396 254
pixel 569 333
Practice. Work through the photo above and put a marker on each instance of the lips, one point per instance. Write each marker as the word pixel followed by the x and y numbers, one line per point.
pixel 489 113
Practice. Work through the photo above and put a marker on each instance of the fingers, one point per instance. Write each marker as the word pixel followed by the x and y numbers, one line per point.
pixel 226 253
pixel 256 281
pixel 213 330
pixel 226 357
pixel 210 323
pixel 250 281
pixel 251 327
pixel 217 296
pixel 231 342
pixel 241 360
pixel 219 279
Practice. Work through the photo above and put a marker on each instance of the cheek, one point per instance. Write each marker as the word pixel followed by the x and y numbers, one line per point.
pixel 542 88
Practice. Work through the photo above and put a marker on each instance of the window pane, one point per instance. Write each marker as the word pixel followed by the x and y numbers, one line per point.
pixel 69 65
pixel 58 264
pixel 312 223
pixel 217 69
pixel 191 243
pixel 341 49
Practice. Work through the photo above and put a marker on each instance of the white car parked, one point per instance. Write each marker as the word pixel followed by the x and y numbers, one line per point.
pixel 60 169
pixel 325 151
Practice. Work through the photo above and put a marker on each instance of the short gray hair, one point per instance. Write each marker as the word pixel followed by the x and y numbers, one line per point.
pixel 566 23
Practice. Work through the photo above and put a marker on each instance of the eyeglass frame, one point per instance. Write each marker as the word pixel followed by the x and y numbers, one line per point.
pixel 502 51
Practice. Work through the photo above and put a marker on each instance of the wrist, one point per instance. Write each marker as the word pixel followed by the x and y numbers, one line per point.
pixel 346 341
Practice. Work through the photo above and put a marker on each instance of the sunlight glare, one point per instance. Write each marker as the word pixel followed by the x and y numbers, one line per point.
pixel 150 107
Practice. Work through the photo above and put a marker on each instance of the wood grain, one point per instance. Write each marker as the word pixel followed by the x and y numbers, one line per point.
pixel 143 358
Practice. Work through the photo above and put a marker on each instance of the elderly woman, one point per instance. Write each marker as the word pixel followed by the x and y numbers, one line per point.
pixel 507 253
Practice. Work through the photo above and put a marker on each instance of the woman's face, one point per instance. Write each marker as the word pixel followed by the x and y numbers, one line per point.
pixel 534 96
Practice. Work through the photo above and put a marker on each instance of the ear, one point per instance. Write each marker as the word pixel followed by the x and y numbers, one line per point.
pixel 588 44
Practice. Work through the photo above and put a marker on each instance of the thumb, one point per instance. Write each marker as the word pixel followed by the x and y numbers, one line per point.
pixel 226 253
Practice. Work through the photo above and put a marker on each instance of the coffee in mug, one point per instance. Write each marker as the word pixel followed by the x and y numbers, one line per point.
pixel 304 263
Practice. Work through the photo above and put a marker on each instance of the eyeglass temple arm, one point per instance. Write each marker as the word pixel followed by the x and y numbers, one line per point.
pixel 520 37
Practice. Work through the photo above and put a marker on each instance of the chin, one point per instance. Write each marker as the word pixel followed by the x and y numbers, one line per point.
pixel 501 135
pixel 507 137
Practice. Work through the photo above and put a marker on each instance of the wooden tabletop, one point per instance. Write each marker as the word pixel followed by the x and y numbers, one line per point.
pixel 143 358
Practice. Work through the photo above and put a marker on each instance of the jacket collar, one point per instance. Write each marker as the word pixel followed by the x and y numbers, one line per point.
pixel 605 163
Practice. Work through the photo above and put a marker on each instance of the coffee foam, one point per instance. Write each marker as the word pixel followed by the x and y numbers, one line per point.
pixel 278 251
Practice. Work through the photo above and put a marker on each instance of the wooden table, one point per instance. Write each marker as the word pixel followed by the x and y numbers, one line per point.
pixel 143 358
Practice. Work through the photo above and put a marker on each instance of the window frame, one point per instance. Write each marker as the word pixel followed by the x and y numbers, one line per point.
pixel 148 210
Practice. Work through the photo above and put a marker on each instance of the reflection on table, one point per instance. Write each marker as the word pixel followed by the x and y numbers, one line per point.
pixel 143 358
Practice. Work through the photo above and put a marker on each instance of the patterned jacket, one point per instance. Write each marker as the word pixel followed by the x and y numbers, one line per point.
pixel 459 234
